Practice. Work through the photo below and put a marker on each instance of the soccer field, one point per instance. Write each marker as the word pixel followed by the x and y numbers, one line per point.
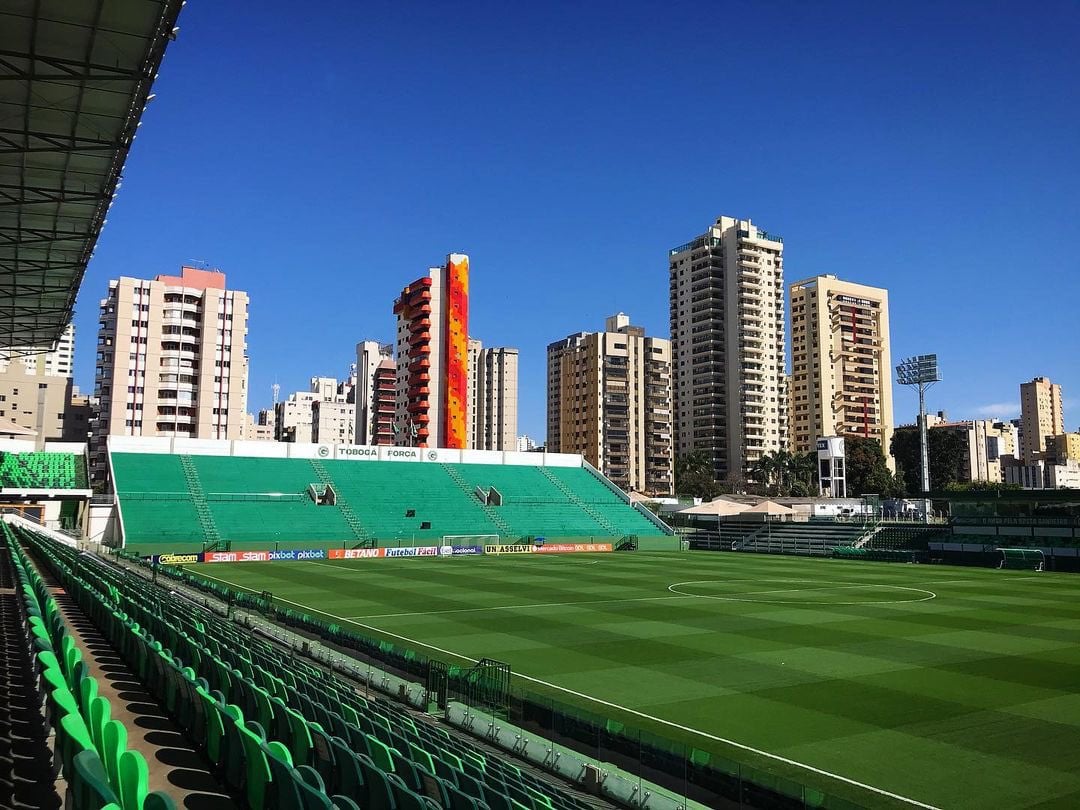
pixel 951 687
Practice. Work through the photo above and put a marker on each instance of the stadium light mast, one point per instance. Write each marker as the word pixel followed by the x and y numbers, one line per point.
pixel 921 372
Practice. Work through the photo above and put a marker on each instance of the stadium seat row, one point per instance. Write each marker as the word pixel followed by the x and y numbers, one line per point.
pixel 91 748
pixel 277 728
pixel 42 470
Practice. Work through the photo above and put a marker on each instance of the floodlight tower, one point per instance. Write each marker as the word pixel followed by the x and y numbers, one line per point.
pixel 920 371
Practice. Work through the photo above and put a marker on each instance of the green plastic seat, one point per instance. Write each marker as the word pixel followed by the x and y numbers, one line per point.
pixel 113 743
pixel 158 800
pixel 348 778
pixel 89 783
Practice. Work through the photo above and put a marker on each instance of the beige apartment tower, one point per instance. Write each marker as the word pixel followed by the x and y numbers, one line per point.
pixel 493 397
pixel 841 364
pixel 171 360
pixel 1041 417
pixel 609 398
pixel 727 345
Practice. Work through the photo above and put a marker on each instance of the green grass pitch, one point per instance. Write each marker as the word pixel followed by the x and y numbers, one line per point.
pixel 952 687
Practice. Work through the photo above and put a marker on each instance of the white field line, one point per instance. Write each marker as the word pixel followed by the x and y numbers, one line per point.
pixel 698 732
pixel 738 597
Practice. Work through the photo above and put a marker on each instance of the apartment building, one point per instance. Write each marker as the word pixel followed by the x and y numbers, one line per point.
pixel 171 360
pixel 36 391
pixel 1041 416
pixel 987 443
pixel 727 345
pixel 841 381
pixel 1063 447
pixel 373 425
pixel 431 354
pixel 493 397
pixel 609 398
pixel 325 413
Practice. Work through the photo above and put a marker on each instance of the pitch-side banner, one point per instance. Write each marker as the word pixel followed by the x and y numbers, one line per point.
pixel 354 553
pixel 175 559
pixel 549 548
pixel 570 548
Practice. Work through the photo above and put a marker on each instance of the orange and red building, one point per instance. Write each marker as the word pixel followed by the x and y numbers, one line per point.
pixel 432 371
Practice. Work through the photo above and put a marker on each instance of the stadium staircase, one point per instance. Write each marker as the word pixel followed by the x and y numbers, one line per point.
pixel 277 730
pixel 364 538
pixel 585 507
pixel 872 531
pixel 489 510
pixel 211 535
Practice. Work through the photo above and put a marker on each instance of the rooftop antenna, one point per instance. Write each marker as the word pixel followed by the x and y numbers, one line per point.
pixel 201 264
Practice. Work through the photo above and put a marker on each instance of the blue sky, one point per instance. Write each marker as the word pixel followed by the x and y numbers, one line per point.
pixel 324 157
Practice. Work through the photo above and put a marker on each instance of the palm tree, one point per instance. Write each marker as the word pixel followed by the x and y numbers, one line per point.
pixel 763 469
pixel 804 468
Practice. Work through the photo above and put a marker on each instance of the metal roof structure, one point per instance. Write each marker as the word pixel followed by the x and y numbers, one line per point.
pixel 74 80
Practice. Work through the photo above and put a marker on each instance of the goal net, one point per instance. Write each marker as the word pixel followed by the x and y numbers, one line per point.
pixel 470 540
pixel 1021 559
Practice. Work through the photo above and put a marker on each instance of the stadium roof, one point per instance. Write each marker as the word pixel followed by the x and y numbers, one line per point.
pixel 74 78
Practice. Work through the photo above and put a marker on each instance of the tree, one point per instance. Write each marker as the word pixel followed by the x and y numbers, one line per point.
pixel 867 472
pixel 804 470
pixel 784 473
pixel 694 475
pixel 947 448
pixel 981 486
pixel 766 469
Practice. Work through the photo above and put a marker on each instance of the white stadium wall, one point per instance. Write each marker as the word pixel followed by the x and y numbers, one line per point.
pixel 339 452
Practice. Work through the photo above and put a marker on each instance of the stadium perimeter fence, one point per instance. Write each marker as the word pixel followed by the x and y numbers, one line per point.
pixel 696 773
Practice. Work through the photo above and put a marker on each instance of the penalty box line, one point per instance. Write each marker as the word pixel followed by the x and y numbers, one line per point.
pixel 601 702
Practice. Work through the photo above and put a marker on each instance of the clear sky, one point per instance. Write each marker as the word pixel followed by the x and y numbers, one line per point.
pixel 325 155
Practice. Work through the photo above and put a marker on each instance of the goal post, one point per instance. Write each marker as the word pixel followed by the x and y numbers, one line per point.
pixel 1022 559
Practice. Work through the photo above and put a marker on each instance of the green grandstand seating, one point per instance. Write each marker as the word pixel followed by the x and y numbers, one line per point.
pixel 281 731
pixel 40 470
pixel 91 748
pixel 259 500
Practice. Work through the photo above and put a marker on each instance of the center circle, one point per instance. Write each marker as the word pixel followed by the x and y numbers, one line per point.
pixel 801 592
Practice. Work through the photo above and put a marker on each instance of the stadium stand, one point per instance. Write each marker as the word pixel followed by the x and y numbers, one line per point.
pixel 42 470
pixel 278 731
pixel 209 499
pixel 91 748
pixel 814 538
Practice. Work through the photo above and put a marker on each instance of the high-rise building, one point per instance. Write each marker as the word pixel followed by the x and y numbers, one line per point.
pixel 609 398
pixel 431 355
pixel 525 444
pixel 1041 416
pixel 370 355
pixel 383 404
pixel 292 418
pixel 727 345
pixel 493 394
pixel 985 441
pixel 474 348
pixel 57 361
pixel 172 359
pixel 841 363
pixel 36 391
